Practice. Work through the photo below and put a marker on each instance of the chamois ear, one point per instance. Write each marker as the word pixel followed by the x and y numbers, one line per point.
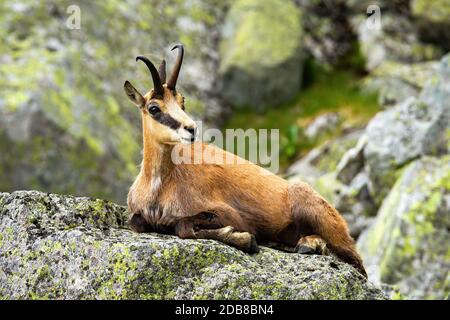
pixel 133 94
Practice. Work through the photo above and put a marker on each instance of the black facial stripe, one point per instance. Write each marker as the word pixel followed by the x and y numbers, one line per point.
pixel 167 120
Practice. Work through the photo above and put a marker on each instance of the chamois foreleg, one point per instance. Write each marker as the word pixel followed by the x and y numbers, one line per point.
pixel 139 224
pixel 195 228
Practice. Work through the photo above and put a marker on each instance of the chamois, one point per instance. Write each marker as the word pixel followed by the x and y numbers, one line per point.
pixel 233 203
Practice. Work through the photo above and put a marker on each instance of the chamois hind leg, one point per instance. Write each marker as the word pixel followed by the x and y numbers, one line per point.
pixel 188 229
pixel 312 245
pixel 313 215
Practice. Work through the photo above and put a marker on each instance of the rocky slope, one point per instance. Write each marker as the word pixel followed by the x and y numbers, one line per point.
pixel 59 99
pixel 408 244
pixel 55 247
pixel 392 187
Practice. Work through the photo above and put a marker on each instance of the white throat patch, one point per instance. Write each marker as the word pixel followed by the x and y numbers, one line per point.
pixel 155 185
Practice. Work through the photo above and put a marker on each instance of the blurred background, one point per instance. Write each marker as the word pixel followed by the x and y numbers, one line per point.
pixel 361 98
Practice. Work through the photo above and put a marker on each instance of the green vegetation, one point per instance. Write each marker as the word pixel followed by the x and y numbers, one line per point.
pixel 324 91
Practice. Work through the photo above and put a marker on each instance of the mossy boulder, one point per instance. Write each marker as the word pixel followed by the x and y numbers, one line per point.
pixel 323 159
pixel 261 61
pixel 395 40
pixel 328 35
pixel 62 247
pixel 409 130
pixel 395 81
pixel 396 137
pixel 408 244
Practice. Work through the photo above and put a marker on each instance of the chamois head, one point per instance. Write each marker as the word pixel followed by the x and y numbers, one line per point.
pixel 162 108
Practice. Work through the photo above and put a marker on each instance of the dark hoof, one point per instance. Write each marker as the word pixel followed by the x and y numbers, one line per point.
pixel 138 224
pixel 302 249
pixel 253 245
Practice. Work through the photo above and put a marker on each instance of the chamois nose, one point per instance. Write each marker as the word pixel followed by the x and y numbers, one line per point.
pixel 191 130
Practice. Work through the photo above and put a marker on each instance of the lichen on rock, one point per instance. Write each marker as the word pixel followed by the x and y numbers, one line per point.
pixel 411 129
pixel 408 243
pixel 395 82
pixel 62 247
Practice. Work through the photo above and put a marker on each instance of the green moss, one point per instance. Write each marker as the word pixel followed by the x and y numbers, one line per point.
pixel 259 20
pixel 160 281
pixel 386 180
pixel 400 237
pixel 123 265
pixel 334 153
pixel 329 91
pixel 417 74
pixel 36 296
pixel 273 290
pixel 434 10
pixel 9 233
pixel 74 90
pixel 43 273
pixel 397 295
pixel 170 266
pixel 50 247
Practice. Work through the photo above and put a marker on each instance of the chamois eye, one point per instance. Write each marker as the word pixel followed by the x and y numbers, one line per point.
pixel 153 109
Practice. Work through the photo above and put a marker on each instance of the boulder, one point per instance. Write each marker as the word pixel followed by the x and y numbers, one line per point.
pixel 395 82
pixel 328 35
pixel 357 223
pixel 322 124
pixel 323 159
pixel 395 40
pixel 261 60
pixel 352 162
pixel 411 129
pixel 395 137
pixel 355 197
pixel 408 243
pixel 63 247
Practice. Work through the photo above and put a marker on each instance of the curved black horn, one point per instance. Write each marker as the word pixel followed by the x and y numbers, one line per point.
pixel 155 76
pixel 176 69
pixel 162 71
